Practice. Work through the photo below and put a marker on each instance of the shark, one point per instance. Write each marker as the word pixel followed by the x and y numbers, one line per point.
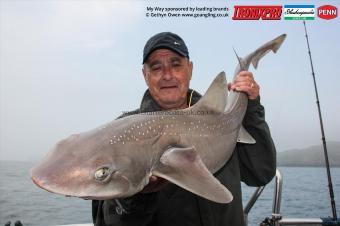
pixel 185 147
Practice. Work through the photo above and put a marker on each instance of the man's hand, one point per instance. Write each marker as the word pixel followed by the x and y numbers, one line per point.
pixel 155 184
pixel 245 82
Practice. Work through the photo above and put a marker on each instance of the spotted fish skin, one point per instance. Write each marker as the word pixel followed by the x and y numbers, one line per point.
pixel 183 146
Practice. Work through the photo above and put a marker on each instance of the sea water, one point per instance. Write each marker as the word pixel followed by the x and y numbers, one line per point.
pixel 305 194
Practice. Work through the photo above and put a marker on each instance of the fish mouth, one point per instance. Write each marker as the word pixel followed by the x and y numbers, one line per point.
pixel 97 197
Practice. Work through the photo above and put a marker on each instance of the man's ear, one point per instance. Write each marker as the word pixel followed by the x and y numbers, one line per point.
pixel 191 65
pixel 145 75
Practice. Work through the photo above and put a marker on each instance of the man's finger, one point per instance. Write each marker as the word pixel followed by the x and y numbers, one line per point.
pixel 153 178
pixel 245 74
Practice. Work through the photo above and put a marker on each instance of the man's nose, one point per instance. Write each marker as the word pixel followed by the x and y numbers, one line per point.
pixel 167 73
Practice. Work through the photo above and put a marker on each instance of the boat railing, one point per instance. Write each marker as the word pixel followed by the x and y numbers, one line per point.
pixel 276 218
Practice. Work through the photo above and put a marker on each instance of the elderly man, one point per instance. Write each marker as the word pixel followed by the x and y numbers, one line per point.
pixel 167 71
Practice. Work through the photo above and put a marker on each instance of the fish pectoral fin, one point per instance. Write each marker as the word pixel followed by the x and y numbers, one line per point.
pixel 185 168
pixel 245 137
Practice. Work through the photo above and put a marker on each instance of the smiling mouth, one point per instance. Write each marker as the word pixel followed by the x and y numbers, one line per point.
pixel 169 87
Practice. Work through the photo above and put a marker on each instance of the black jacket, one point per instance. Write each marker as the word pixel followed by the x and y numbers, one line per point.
pixel 253 164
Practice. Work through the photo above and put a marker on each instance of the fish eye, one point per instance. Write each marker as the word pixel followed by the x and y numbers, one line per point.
pixel 102 173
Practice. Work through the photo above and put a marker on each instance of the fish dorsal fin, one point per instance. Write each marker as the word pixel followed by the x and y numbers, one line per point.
pixel 215 98
pixel 185 168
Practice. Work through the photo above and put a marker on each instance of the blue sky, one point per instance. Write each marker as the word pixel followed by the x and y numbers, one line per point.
pixel 69 66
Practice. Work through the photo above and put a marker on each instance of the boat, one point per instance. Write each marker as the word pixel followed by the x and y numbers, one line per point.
pixel 276 219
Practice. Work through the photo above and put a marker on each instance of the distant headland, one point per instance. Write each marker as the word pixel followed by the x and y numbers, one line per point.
pixel 310 156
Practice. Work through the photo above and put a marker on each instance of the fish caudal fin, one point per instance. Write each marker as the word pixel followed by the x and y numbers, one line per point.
pixel 185 168
pixel 272 45
pixel 215 98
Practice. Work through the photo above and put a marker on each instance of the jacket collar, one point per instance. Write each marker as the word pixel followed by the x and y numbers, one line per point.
pixel 148 104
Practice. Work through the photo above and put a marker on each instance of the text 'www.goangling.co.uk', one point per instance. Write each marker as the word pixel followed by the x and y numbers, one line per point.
pixel 187 12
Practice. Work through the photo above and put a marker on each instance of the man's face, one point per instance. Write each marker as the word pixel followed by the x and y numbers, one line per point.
pixel 168 74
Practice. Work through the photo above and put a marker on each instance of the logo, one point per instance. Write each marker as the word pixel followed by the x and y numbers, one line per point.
pixel 257 12
pixel 299 12
pixel 327 12
pixel 177 44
